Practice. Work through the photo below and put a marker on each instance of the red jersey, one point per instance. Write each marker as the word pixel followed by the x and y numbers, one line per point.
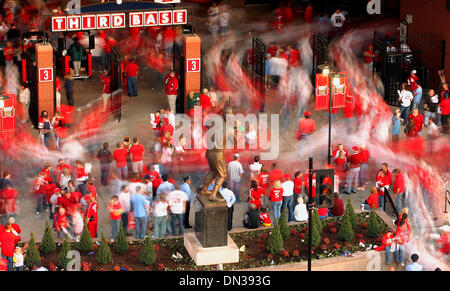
pixel 137 150
pixel 445 106
pixel 120 156
pixel 372 200
pixel 265 218
pixel 171 85
pixel 131 70
pixel 92 216
pixel 75 197
pixel 335 153
pixel 255 196
pixel 399 184
pixel 322 211
pixel 298 183
pixel 64 202
pixel 412 80
pixel 418 121
pixel 114 206
pixel 387 239
pixel 106 84
pixel 8 51
pixel 355 160
pixel 205 102
pixel 8 242
pixel 276 195
pixel 80 173
pixel 276 174
pixel 263 180
pixel 61 221
pixel 364 156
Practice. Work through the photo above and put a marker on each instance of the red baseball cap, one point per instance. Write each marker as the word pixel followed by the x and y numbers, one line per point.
pixel 355 148
pixel 307 113
pixel 287 176
pixel 166 120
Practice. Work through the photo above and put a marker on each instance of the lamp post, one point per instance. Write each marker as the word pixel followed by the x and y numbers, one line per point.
pixel 334 80
pixel 310 208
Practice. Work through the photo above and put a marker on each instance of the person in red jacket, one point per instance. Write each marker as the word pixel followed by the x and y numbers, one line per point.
pixel 386 244
pixel 276 174
pixel 340 148
pixel 276 197
pixel 338 206
pixel 8 240
pixel 61 223
pixel 9 52
pixel 419 121
pixel 383 181
pixel 398 188
pixel 171 82
pixel 402 236
pixel 309 13
pixel 106 80
pixel 137 156
pixel 365 154
pixel 265 218
pixel 298 186
pixel 205 101
pixel 40 186
pixel 354 164
pixel 306 126
pixel 64 201
pixel 255 194
pixel 340 168
pixel 120 156
pixel 132 71
pixel 445 112
pixel 91 217
pixel 372 201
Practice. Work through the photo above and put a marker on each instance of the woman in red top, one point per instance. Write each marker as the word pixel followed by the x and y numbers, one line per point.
pixel 263 178
pixel 276 197
pixel 61 223
pixel 115 213
pixel 372 200
pixel 298 186
pixel 255 194
pixel 341 170
pixel 402 236
pixel 120 156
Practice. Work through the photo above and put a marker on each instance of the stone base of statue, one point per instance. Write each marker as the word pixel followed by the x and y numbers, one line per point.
pixel 210 244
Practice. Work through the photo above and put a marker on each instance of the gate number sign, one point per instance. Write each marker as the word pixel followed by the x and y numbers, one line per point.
pixel 46 75
pixel 193 65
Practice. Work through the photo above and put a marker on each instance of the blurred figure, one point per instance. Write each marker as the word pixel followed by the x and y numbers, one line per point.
pixel 337 21
pixel 224 18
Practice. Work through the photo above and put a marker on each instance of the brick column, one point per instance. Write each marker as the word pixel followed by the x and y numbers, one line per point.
pixel 45 90
pixel 191 50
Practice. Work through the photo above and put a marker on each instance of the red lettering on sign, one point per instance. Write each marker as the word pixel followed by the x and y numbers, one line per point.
pixel 165 17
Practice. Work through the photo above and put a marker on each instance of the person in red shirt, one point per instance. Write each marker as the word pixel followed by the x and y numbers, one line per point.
pixel 365 154
pixel 336 152
pixel 255 194
pixel 137 156
pixel 57 172
pixel 338 206
pixel 120 156
pixel 341 169
pixel 348 112
pixel 205 101
pixel 115 213
pixel 398 188
pixel 167 129
pixel 368 58
pixel 306 126
pixel 64 201
pixel 402 236
pixel 8 240
pixel 276 197
pixel 309 13
pixel 372 200
pixel 276 174
pixel 171 82
pixel 265 218
pixel 412 80
pixel 354 164
pixel 419 121
pixel 61 223
pixel 132 71
pixel 106 86
pixel 9 52
pixel 445 112
pixel 91 217
pixel 383 181
pixel 298 186
pixel 386 243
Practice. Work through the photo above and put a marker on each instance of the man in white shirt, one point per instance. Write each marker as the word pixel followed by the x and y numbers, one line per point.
pixel 288 193
pixel 230 198
pixel 414 266
pixel 255 168
pixel 124 200
pixel 300 211
pixel 337 21
pixel 177 204
pixel 235 172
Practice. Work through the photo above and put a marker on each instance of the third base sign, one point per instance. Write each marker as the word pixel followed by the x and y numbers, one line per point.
pixel 46 75
pixel 193 65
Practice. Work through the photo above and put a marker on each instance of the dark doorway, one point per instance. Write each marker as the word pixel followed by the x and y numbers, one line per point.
pixel 259 68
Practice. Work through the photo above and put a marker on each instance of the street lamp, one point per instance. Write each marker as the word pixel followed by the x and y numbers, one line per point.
pixel 334 80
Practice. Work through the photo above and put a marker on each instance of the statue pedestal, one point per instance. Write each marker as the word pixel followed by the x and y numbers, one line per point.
pixel 211 222
pixel 211 244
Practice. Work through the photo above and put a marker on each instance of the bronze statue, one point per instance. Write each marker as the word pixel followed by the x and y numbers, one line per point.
pixel 216 162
